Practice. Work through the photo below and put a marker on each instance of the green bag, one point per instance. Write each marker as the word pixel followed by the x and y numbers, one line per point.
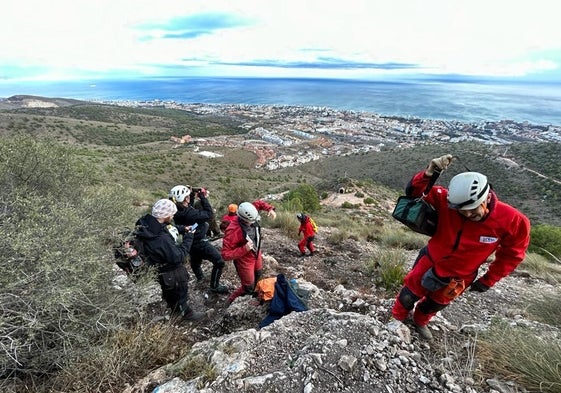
pixel 417 214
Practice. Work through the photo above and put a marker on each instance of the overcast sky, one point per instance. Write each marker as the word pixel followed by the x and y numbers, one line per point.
pixel 61 39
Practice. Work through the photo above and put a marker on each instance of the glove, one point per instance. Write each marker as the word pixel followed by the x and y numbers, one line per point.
pixel 478 286
pixel 271 214
pixel 440 164
pixel 203 193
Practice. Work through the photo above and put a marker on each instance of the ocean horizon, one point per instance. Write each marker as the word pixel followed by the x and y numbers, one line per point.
pixel 466 101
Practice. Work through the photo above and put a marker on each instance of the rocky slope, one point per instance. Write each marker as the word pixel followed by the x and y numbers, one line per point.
pixel 347 341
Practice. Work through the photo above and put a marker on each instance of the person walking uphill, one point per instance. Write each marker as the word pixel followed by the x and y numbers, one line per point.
pixel 201 247
pixel 472 224
pixel 242 244
pixel 307 229
pixel 158 237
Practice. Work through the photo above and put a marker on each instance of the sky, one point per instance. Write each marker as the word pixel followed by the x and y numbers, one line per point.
pixel 361 39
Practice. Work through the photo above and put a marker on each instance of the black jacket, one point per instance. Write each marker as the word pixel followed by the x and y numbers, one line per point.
pixel 159 246
pixel 190 215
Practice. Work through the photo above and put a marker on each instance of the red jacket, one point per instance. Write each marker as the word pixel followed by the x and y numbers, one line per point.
pixel 460 246
pixel 261 205
pixel 233 246
pixel 306 227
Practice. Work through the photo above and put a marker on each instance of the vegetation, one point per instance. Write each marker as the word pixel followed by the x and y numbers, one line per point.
pixel 56 275
pixel 389 268
pixel 515 352
pixel 69 176
pixel 546 240
pixel 303 198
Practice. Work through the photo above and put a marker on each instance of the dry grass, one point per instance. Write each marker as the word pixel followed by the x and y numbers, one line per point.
pixel 122 359
pixel 517 354
pixel 541 267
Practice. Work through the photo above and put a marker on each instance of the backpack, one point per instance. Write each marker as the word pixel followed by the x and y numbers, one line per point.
pixel 129 252
pixel 314 225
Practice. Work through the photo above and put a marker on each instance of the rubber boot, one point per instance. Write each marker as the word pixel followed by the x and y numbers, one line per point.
pixel 215 285
pixel 198 271
pixel 258 275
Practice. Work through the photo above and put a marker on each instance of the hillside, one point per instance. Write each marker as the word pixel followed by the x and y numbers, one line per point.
pixel 346 342
pixel 132 146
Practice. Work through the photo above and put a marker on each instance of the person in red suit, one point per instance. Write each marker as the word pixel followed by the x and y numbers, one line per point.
pixel 242 244
pixel 473 224
pixel 307 230
pixel 232 214
pixel 229 217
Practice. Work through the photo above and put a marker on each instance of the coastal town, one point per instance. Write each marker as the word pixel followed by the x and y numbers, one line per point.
pixel 284 136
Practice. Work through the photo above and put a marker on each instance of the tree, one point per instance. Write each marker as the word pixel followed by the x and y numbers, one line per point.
pixel 304 197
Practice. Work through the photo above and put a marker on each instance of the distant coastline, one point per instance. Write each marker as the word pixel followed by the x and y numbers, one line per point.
pixel 467 101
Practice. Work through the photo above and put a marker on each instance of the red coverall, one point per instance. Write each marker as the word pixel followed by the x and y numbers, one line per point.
pixel 248 263
pixel 308 231
pixel 458 248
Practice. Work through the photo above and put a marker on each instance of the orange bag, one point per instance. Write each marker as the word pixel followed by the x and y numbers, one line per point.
pixel 454 288
pixel 265 288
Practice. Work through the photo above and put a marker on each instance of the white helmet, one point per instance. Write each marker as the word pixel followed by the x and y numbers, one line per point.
pixel 467 191
pixel 179 193
pixel 248 212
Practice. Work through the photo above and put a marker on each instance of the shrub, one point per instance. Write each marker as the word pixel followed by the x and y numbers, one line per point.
pixel 122 358
pixel 349 205
pixel 369 201
pixel 546 240
pixel 389 268
pixel 58 300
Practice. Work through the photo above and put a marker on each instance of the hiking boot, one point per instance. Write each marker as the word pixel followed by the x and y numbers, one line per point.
pixel 220 289
pixel 423 331
pixel 194 316
pixel 302 254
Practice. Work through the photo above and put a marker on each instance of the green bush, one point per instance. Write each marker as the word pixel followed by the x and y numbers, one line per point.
pixel 57 297
pixel 389 268
pixel 304 196
pixel 369 201
pixel 546 240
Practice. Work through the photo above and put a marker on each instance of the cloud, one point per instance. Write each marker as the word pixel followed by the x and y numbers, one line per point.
pixel 73 38
pixel 193 26
pixel 325 63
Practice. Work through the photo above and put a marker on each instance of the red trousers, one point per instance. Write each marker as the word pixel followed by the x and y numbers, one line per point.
pixel 428 303
pixel 306 242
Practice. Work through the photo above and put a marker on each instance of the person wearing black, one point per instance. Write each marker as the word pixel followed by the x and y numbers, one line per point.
pixel 201 248
pixel 161 250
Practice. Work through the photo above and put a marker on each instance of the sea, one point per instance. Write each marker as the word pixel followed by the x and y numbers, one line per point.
pixel 466 101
